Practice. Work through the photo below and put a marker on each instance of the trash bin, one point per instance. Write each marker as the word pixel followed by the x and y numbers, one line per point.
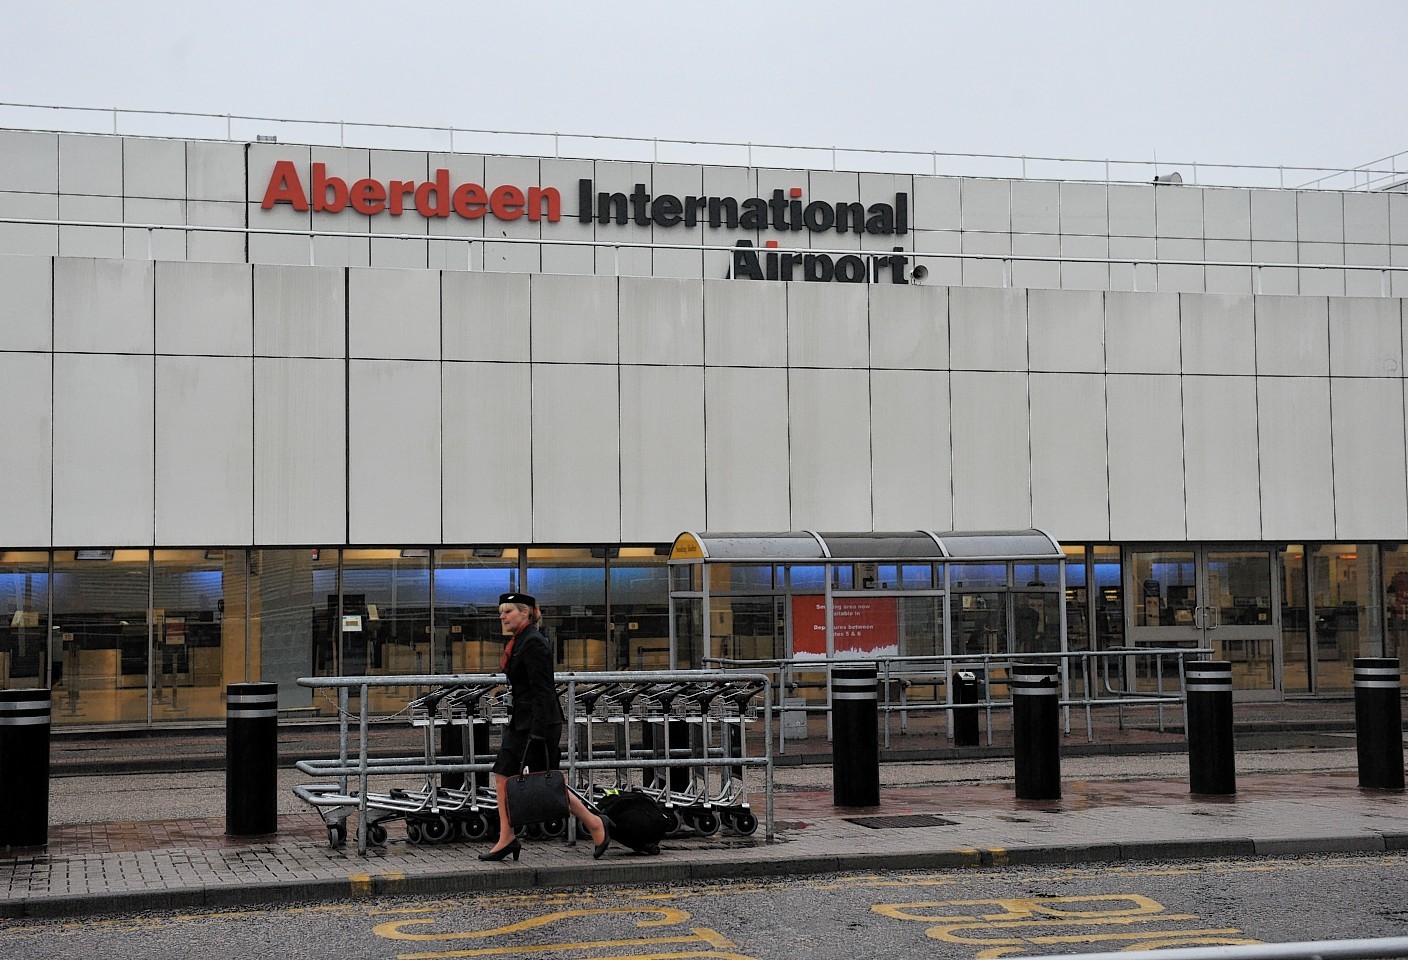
pixel 965 717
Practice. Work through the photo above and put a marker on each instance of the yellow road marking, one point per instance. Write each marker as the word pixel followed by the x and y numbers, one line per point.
pixel 667 917
pixel 701 935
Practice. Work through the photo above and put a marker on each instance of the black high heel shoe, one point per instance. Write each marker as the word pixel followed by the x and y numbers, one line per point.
pixel 514 848
pixel 600 848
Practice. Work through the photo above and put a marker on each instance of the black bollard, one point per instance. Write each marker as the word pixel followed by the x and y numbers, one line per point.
pixel 1036 730
pixel 251 759
pixel 855 765
pixel 1378 723
pixel 24 767
pixel 1212 764
pixel 965 718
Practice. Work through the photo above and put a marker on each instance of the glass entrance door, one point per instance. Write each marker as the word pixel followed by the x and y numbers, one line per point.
pixel 1219 597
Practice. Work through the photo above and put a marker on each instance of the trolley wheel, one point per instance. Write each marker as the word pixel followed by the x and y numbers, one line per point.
pixel 376 834
pixel 706 823
pixel 726 818
pixel 438 830
pixel 474 827
pixel 414 833
pixel 337 834
pixel 673 817
pixel 745 823
pixel 533 831
pixel 555 828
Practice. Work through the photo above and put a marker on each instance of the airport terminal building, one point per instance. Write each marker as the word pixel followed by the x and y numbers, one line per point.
pixel 275 410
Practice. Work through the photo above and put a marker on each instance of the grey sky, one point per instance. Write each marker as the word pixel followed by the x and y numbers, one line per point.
pixel 1288 82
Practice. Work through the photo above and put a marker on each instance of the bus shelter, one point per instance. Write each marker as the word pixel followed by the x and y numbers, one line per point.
pixel 806 595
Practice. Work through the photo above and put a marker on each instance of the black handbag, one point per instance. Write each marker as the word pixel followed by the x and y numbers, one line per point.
pixel 536 797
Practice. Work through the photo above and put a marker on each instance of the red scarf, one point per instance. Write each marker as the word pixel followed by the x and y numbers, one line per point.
pixel 508 647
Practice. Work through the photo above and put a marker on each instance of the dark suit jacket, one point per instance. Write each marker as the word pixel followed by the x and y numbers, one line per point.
pixel 535 708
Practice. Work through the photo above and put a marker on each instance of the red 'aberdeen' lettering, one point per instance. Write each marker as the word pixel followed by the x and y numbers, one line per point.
pixel 435 197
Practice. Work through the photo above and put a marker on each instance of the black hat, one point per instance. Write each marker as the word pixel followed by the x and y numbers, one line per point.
pixel 522 598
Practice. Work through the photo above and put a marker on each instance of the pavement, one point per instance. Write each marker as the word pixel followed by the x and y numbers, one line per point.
pixel 137 823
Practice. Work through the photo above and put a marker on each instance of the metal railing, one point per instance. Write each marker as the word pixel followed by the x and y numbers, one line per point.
pixel 115 121
pixel 1091 679
pixel 1305 950
pixel 354 760
pixel 1386 273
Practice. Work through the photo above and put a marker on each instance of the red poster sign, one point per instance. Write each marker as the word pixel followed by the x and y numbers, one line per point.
pixel 862 626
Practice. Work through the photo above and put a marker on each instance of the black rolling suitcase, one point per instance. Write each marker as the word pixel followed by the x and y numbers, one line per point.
pixel 637 820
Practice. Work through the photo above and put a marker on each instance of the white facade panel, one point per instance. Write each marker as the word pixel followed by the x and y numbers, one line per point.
pixel 662 321
pixel 1366 337
pixel 393 463
pixel 300 451
pixel 911 465
pixel 300 311
pixel 215 245
pixel 621 178
pixel 1297 481
pixel 1371 488
pixel 1275 279
pixel 1219 334
pixel 991 451
pixel 1040 274
pixel 103 306
pixel 938 203
pixel 1292 336
pixel 1131 210
pixel 1366 217
pixel 1146 457
pixel 1178 212
pixel 1142 332
pixel 1085 209
pixel 485 316
pixel 1036 206
pixel 1220 458
pixel 575 454
pixel 1273 214
pixel 153 168
pixel 29 239
pixel 215 171
pixel 204 450
pixel 662 452
pixel 987 205
pixel 488 453
pixel 745 324
pixel 90 165
pixel 1227 213
pixel 90 241
pixel 745 424
pixel 574 319
pixel 1076 275
pixel 1070 488
pixel 1138 272
pixel 205 308
pixel 152 242
pixel 1233 278
pixel 989 262
pixel 908 326
pixel 1319 216
pixel 29 162
pixel 393 314
pixel 27 305
pixel 827 325
pixel 1066 330
pixel 1185 277
pixel 987 329
pixel 103 443
pixel 26 456
pixel 829 448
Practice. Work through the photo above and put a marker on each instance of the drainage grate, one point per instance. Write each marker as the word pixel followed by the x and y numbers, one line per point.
pixel 904 820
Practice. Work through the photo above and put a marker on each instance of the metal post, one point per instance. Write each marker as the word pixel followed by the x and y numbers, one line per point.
pixel 1378 723
pixel 24 766
pixel 965 717
pixel 251 759
pixel 855 767
pixel 1036 730
pixel 1212 767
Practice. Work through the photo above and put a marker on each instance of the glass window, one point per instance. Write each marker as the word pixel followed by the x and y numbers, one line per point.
pixel 293 623
pixel 1295 624
pixel 1109 597
pixel 386 618
pixel 978 576
pixel 1078 614
pixel 100 600
pixel 640 611
pixel 468 584
pixel 1395 564
pixel 189 668
pixel 570 586
pixel 25 656
pixel 1347 618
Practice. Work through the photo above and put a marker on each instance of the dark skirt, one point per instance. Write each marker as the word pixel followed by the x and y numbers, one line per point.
pixel 511 758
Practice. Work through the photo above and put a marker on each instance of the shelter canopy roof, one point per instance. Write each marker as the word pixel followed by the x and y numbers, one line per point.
pixel 910 545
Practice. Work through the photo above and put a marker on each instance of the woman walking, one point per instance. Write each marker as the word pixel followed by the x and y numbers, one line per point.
pixel 535 722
